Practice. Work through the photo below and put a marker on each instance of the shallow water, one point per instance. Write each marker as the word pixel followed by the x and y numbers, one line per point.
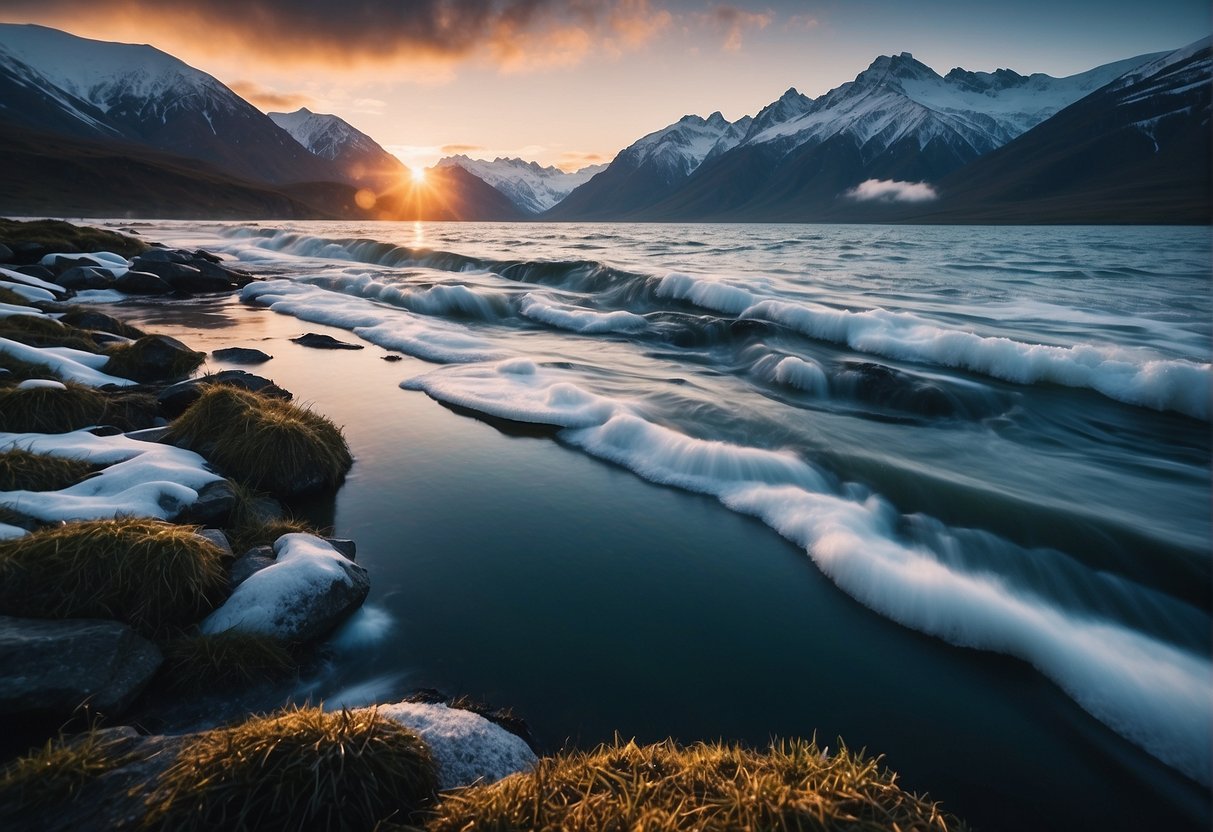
pixel 791 476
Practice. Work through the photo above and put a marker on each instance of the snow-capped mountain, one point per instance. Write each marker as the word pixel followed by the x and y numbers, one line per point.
pixel 1138 149
pixel 652 167
pixel 531 187
pixel 96 89
pixel 899 119
pixel 359 158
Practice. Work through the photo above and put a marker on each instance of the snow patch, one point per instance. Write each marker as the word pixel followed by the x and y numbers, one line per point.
pixel 73 365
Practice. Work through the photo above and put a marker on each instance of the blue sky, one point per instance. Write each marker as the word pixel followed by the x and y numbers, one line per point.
pixel 575 82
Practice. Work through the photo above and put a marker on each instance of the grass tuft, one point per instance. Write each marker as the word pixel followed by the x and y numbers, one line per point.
pixel 226 660
pixel 49 410
pixel 8 296
pixel 131 361
pixel 705 787
pixel 264 443
pixel 56 772
pixel 63 236
pixel 146 573
pixel 22 470
pixel 42 331
pixel 19 370
pixel 296 769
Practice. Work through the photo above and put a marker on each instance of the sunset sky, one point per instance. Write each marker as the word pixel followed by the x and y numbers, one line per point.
pixel 572 83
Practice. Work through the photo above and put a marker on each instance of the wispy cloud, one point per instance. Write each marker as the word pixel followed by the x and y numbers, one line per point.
pixel 456 149
pixel 270 100
pixel 732 23
pixel 892 190
pixel 572 160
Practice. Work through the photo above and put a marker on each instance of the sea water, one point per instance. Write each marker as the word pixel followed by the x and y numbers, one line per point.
pixel 942 492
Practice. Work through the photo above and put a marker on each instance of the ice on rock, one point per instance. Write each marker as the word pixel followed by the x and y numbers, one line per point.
pixel 467 748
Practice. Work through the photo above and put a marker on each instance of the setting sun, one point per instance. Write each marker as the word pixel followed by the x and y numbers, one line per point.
pixel 418 175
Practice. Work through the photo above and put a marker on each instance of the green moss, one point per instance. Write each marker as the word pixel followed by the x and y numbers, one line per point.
pixel 44 331
pixel 296 769
pixel 131 361
pixel 151 575
pixel 226 661
pixel 63 236
pixel 25 471
pixel 705 787
pixel 56 772
pixel 264 443
pixel 50 410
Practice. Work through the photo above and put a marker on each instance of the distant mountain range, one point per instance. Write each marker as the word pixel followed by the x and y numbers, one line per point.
pixel 94 127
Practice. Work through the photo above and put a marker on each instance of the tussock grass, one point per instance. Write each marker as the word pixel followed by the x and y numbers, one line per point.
pixel 146 573
pixel 296 769
pixel 42 331
pixel 130 361
pixel 705 787
pixel 226 660
pixel 48 410
pixel 247 536
pixel 10 297
pixel 265 443
pixel 63 236
pixel 22 470
pixel 19 370
pixel 84 318
pixel 57 771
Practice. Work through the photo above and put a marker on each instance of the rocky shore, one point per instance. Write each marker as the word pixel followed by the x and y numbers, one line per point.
pixel 148 556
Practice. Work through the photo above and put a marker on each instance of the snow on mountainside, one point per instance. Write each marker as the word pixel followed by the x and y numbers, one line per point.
pixel 141 94
pixel 359 157
pixel 533 188
pixel 899 97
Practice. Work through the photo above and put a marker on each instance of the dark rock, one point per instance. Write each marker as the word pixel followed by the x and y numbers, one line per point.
pixel 159 356
pixel 392 357
pixel 324 342
pixel 61 264
pixel 36 270
pixel 252 562
pixel 217 537
pixel 164 255
pixel 241 355
pixel 103 339
pixel 183 278
pixel 175 398
pixel 215 273
pixel 85 277
pixel 6 254
pixel 345 546
pixel 95 321
pixel 141 283
pixel 105 430
pixel 203 254
pixel 58 665
pixel 28 252
pixel 216 501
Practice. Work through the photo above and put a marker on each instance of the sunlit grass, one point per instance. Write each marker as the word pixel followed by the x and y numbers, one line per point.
pixel 22 470
pixel 56 772
pixel 50 409
pixel 296 769
pixel 704 787
pixel 154 576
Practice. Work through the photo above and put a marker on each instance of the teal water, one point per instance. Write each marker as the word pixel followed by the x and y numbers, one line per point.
pixel 1058 522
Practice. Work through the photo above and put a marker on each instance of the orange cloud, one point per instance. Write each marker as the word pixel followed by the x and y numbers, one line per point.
pixel 517 35
pixel 572 161
pixel 456 149
pixel 270 100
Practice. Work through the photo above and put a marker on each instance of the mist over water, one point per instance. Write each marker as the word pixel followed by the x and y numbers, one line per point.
pixel 997 437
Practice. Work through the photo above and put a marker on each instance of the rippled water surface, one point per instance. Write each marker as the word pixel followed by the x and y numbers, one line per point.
pixel 944 492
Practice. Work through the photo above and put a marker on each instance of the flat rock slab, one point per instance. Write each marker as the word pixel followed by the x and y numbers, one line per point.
pixel 53 665
pixel 324 342
pixel 241 355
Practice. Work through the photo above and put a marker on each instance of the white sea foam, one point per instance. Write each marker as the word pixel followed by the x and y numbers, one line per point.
pixel 142 479
pixel 1150 692
pixel 1124 375
pixel 791 371
pixel 710 294
pixel 574 319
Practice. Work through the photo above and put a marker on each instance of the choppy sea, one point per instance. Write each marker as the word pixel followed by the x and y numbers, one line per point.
pixel 941 491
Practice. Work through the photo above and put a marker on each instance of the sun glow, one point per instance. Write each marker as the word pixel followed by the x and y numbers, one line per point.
pixel 417 174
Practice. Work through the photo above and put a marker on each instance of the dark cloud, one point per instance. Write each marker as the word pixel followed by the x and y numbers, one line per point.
pixel 267 99
pixel 345 31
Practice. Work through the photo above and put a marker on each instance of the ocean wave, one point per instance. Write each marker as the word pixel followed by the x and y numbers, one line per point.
pixel 574 319
pixel 1152 692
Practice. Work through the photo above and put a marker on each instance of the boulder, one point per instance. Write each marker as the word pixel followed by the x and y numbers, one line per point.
pixel 249 564
pixel 6 254
pixel 214 271
pixel 174 399
pixel 95 321
pixel 26 252
pixel 216 501
pixel 180 276
pixel 58 665
pixel 36 270
pixel 85 277
pixel 136 282
pixel 203 254
pixel 324 342
pixel 467 748
pixel 165 255
pixel 241 355
pixel 305 594
pixel 160 357
pixel 219 538
pixel 61 263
